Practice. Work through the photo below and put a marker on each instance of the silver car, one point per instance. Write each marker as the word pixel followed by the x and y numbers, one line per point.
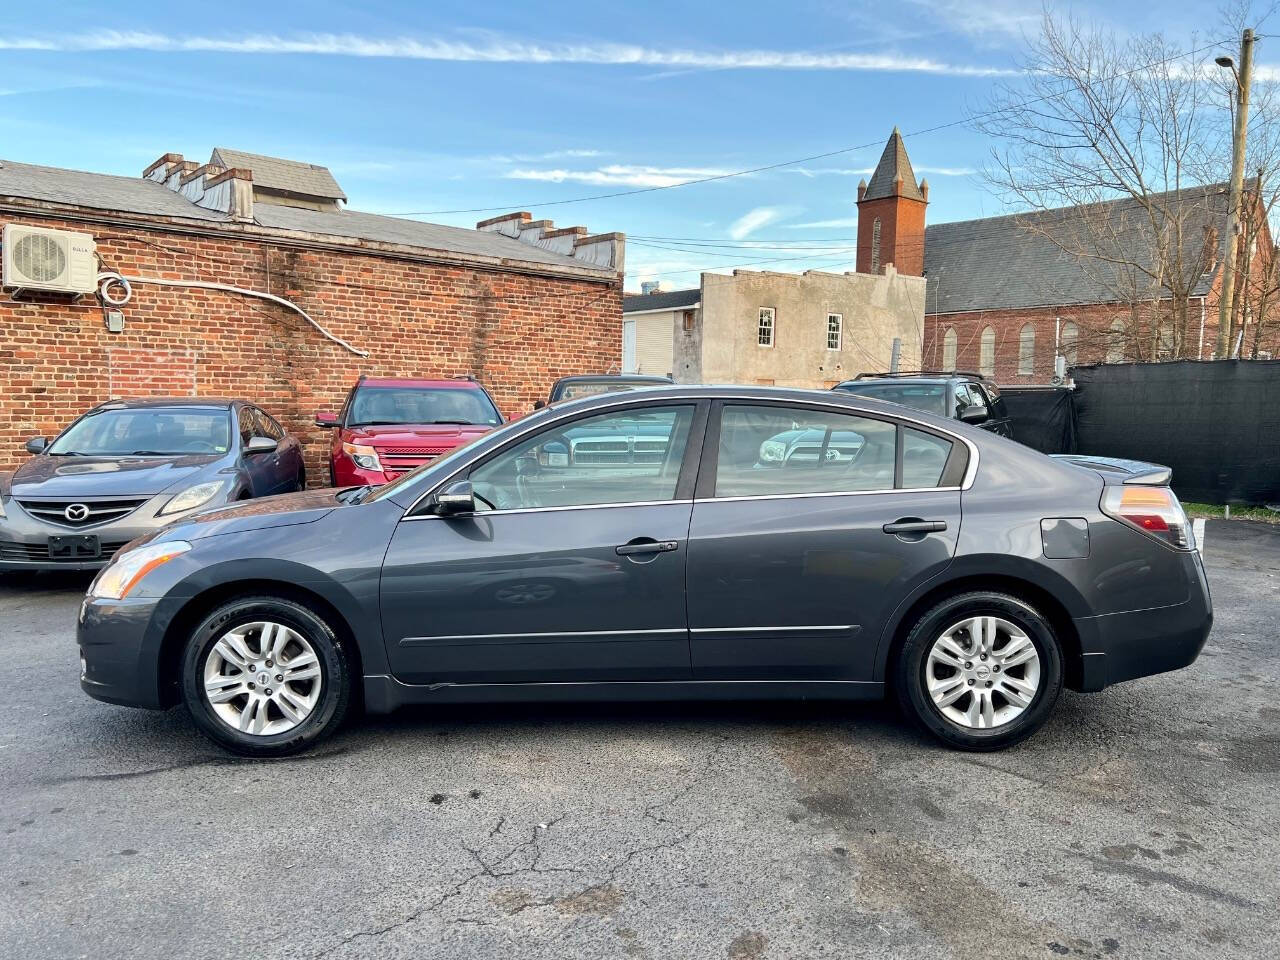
pixel 128 467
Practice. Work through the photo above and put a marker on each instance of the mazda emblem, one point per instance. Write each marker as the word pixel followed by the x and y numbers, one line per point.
pixel 76 512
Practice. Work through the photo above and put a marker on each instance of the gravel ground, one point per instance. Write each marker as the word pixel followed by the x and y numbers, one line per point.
pixel 1141 822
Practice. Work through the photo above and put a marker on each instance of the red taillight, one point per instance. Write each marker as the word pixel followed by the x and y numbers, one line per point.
pixel 1153 510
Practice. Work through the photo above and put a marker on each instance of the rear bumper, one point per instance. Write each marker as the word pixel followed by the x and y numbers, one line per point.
pixel 1139 643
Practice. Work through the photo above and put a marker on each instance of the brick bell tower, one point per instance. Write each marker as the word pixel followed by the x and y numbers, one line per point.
pixel 891 214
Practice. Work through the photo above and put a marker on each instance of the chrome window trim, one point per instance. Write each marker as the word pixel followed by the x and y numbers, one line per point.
pixel 635 400
pixel 580 506
pixel 832 493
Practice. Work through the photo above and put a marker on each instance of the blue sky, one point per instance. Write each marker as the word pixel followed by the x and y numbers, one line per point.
pixel 448 105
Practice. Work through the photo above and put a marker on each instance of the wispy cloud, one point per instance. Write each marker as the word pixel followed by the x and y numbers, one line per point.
pixel 867 171
pixel 494 49
pixel 549 155
pixel 824 224
pixel 617 174
pixel 985 21
pixel 753 220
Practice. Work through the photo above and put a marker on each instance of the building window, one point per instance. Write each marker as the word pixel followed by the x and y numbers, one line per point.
pixel 687 320
pixel 1116 346
pixel 949 343
pixel 875 246
pixel 764 330
pixel 835 328
pixel 1026 350
pixel 1067 344
pixel 987 354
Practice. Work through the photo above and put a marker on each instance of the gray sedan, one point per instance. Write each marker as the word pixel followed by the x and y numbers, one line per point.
pixel 967 574
pixel 128 467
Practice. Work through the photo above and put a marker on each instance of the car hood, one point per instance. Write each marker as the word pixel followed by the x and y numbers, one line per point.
pixel 419 435
pixel 282 511
pixel 64 477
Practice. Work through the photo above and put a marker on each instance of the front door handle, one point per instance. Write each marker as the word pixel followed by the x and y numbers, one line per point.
pixel 899 527
pixel 646 546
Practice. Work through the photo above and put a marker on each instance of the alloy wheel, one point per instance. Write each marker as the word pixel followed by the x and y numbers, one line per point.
pixel 982 672
pixel 262 678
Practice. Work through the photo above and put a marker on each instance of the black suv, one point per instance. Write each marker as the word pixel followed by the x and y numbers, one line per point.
pixel 957 394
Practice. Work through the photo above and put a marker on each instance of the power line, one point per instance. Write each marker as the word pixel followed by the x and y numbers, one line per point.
pixel 790 163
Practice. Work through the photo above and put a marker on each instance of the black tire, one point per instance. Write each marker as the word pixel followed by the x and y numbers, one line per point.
pixel 910 675
pixel 335 690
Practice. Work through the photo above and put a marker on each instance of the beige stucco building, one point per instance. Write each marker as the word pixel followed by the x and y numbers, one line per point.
pixel 798 330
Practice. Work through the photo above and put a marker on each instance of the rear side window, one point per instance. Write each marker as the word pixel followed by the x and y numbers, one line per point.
pixel 777 450
pixel 771 451
pixel 924 457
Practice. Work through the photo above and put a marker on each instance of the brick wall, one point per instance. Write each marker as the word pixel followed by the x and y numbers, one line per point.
pixel 1093 321
pixel 516 333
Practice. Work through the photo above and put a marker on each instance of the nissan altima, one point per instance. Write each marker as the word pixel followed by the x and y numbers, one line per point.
pixel 128 467
pixel 971 577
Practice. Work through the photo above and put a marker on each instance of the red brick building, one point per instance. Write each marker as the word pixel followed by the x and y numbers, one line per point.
pixel 1007 295
pixel 515 302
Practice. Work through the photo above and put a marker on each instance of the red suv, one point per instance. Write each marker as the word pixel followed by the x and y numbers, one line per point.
pixel 390 426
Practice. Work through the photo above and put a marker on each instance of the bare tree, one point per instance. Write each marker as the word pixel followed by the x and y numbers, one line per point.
pixel 1126 132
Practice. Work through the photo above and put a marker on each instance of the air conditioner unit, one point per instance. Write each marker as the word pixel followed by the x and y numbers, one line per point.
pixel 52 261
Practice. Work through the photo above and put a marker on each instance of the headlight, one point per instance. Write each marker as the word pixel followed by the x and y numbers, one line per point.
pixel 773 451
pixel 193 497
pixel 124 573
pixel 366 458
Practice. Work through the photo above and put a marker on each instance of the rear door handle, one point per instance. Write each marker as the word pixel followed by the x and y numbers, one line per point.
pixel 915 526
pixel 651 546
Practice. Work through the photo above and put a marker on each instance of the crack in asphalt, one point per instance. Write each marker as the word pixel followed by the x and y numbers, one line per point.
pixel 210 761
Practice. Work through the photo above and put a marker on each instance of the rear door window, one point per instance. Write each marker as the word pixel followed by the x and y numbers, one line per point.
pixel 766 451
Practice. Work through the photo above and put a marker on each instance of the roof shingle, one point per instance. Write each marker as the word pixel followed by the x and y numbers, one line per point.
pixel 894 163
pixel 667 300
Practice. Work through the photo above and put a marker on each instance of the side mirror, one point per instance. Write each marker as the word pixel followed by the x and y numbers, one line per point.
pixel 260 445
pixel 37 445
pixel 326 419
pixel 539 404
pixel 554 454
pixel 457 497
pixel 975 413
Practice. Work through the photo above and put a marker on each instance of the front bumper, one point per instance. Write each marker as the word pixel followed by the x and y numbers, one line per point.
pixel 120 651
pixel 24 539
pixel 1139 643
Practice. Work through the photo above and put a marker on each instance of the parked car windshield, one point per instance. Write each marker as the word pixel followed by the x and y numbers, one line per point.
pixel 372 406
pixel 929 397
pixel 571 391
pixel 149 431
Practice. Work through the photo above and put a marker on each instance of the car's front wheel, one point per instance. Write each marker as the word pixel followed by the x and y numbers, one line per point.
pixel 980 671
pixel 265 677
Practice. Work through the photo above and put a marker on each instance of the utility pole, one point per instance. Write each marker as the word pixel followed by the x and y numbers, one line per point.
pixel 1242 78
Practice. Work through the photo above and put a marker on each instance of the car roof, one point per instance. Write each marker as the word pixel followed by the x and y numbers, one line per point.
pixel 134 403
pixel 458 384
pixel 613 378
pixel 881 381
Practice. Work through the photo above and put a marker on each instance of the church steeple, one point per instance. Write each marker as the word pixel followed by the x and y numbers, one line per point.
pixel 891 214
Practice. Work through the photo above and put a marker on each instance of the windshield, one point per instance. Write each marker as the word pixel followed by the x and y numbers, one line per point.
pixel 571 391
pixel 372 406
pixel 146 432
pixel 929 397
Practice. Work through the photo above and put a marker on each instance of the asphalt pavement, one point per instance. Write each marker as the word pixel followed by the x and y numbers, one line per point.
pixel 1141 822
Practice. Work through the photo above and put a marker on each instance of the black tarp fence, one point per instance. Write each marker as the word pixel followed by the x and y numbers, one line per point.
pixel 1216 423
pixel 1043 417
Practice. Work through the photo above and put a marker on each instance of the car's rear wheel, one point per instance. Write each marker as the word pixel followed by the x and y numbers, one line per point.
pixel 266 677
pixel 980 670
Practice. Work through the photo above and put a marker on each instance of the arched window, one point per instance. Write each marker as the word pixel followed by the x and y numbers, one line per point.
pixel 987 356
pixel 1069 337
pixel 1116 346
pixel 1026 350
pixel 875 246
pixel 949 343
